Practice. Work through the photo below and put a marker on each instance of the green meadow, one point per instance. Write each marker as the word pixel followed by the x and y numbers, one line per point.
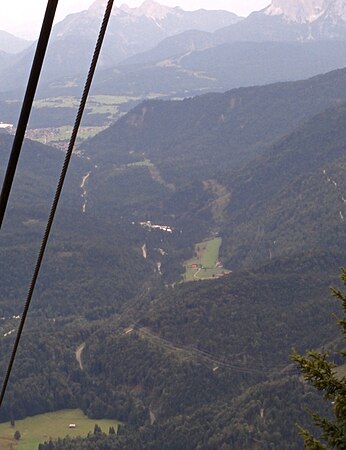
pixel 96 103
pixel 205 263
pixel 106 108
pixel 37 429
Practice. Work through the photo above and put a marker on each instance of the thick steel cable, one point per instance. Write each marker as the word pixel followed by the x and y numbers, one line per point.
pixel 37 64
pixel 58 191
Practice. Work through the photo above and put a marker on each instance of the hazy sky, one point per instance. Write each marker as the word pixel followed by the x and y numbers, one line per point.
pixel 22 17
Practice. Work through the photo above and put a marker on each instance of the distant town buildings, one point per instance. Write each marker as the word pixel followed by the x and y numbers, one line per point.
pixel 6 126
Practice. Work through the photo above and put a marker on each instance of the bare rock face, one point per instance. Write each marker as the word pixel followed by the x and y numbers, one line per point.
pixel 308 11
pixel 292 20
pixel 297 10
pixel 150 9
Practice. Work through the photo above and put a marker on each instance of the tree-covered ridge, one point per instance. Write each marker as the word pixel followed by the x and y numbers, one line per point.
pixel 289 198
pixel 205 130
pixel 158 354
pixel 292 197
pixel 326 377
pixel 181 390
pixel 90 258
pixel 254 420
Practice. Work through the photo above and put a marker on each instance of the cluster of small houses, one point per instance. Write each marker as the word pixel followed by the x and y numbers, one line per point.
pixel 151 226
pixel 6 126
pixel 218 265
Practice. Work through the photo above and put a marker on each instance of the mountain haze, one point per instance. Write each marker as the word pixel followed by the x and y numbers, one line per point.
pixel 302 11
pixel 155 48
pixel 131 30
pixel 176 20
pixel 12 44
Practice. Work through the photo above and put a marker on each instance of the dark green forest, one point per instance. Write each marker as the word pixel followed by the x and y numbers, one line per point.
pixel 198 365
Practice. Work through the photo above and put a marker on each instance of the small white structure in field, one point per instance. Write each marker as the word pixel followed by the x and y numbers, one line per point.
pixel 72 425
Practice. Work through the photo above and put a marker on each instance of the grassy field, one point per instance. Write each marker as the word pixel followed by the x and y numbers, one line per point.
pixel 106 105
pixel 37 429
pixel 107 109
pixel 205 263
pixel 96 103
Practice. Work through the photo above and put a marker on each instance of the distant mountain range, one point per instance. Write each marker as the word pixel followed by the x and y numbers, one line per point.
pixel 213 68
pixel 171 51
pixel 131 31
pixel 12 44
pixel 154 48
pixel 307 11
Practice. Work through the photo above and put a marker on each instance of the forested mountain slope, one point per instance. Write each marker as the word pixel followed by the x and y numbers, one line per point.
pixel 199 131
pixel 84 253
pixel 203 364
pixel 190 142
pixel 291 196
pixel 193 355
pixel 192 64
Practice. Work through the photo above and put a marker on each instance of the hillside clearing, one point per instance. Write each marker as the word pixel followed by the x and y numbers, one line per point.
pixel 37 429
pixel 205 264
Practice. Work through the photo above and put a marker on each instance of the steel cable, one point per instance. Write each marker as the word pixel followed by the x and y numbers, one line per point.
pixel 58 191
pixel 27 104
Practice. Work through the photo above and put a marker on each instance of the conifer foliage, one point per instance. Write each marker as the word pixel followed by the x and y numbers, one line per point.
pixel 325 377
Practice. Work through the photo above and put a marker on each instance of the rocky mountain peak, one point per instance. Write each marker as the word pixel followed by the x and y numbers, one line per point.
pixel 149 8
pixel 337 9
pixel 307 11
pixel 98 7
